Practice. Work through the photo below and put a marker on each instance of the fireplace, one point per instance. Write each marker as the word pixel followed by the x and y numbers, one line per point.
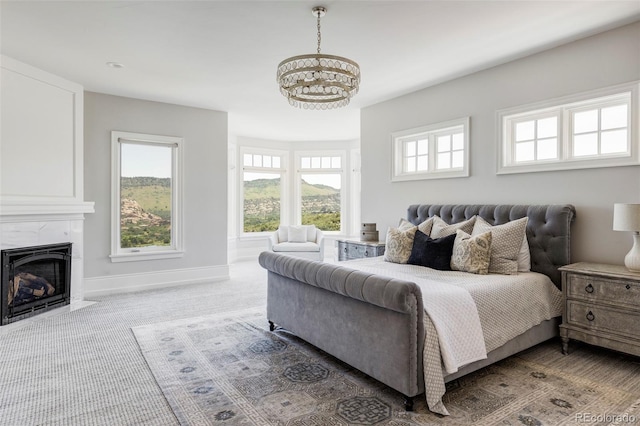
pixel 34 280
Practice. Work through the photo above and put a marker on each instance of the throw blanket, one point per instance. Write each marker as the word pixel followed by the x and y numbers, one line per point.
pixel 451 309
pixel 506 305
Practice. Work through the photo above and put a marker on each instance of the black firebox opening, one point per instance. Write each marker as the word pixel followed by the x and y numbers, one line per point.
pixel 34 280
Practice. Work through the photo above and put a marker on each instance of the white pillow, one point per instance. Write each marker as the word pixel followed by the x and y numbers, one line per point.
pixel 524 256
pixel 441 228
pixel 283 233
pixel 311 232
pixel 424 227
pixel 297 234
pixel 506 242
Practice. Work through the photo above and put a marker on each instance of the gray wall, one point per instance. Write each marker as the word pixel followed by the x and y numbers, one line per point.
pixel 599 61
pixel 205 179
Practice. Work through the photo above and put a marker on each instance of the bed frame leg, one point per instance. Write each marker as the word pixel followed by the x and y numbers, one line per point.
pixel 408 403
pixel 272 326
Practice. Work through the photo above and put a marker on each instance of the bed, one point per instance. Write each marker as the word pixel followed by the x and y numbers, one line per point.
pixel 371 313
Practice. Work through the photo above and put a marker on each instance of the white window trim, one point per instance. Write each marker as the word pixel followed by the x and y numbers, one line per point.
pixel 284 199
pixel 397 175
pixel 119 254
pixel 343 185
pixel 562 107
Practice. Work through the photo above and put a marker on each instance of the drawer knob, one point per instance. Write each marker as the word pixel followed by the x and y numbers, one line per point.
pixel 345 249
pixel 590 316
pixel 589 288
pixel 627 286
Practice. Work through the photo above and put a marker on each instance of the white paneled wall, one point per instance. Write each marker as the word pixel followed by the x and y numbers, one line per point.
pixel 41 173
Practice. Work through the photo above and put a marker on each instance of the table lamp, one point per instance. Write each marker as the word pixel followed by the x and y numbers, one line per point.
pixel 626 217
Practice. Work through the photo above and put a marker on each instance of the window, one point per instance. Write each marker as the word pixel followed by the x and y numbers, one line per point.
pixel 146 197
pixel 592 129
pixel 432 152
pixel 320 189
pixel 262 191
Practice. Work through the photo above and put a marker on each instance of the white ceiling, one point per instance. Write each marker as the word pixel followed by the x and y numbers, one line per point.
pixel 222 55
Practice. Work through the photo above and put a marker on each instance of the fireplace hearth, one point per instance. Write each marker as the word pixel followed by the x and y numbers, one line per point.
pixel 34 280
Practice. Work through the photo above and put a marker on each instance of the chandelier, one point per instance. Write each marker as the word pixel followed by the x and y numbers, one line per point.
pixel 318 81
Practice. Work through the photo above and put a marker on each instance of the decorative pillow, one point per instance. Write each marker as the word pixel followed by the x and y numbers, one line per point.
pixel 424 227
pixel 432 253
pixel 524 256
pixel 398 244
pixel 442 229
pixel 404 224
pixel 471 254
pixel 311 232
pixel 297 234
pixel 283 233
pixel 506 240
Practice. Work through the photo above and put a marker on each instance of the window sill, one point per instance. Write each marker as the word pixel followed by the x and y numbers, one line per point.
pixel 457 173
pixel 569 165
pixel 149 255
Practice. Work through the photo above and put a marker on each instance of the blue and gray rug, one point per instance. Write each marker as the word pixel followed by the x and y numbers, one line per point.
pixel 229 369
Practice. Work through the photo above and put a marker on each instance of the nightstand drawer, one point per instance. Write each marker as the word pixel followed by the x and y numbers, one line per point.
pixel 595 288
pixel 355 251
pixel 603 319
pixel 374 251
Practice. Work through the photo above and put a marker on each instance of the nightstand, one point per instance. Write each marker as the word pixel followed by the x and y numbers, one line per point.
pixel 601 306
pixel 354 249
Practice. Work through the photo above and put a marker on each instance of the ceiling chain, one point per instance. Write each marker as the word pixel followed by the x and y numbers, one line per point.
pixel 319 35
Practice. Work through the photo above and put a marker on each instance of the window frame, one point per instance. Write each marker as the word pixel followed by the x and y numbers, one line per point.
pixel 176 249
pixel 320 170
pixel 429 132
pixel 284 202
pixel 564 109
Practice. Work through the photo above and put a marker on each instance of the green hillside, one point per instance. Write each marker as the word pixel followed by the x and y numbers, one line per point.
pixel 270 188
pixel 320 205
pixel 262 188
pixel 153 194
pixel 145 218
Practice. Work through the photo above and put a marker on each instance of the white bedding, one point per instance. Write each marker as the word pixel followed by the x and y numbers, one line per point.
pixel 504 306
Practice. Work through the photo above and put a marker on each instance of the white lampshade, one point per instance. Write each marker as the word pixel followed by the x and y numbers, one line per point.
pixel 626 217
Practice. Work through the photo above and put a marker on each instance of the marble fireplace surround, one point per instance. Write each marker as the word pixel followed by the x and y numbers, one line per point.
pixel 34 225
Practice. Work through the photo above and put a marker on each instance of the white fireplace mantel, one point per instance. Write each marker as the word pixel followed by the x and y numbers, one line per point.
pixel 38 211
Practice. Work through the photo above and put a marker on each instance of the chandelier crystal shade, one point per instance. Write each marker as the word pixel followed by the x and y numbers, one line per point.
pixel 318 81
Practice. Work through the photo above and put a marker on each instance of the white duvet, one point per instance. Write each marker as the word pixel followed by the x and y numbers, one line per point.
pixel 468 315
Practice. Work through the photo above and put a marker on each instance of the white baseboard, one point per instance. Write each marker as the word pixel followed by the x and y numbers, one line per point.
pixel 101 286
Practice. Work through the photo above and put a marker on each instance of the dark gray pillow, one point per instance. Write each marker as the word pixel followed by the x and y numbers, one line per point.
pixel 432 253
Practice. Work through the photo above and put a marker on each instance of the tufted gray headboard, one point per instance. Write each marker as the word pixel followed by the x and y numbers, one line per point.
pixel 548 228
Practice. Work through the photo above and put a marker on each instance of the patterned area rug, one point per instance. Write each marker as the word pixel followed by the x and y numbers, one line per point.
pixel 229 369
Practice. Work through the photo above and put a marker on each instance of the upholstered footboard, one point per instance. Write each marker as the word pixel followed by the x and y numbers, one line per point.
pixel 370 322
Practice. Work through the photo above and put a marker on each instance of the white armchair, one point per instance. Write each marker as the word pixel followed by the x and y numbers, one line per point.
pixel 302 241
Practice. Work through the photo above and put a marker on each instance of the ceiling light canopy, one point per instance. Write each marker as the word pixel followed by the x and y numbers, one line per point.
pixel 318 81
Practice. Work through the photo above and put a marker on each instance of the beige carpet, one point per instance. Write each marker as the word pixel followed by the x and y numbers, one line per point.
pixel 229 369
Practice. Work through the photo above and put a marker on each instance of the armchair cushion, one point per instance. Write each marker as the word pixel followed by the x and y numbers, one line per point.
pixel 297 247
pixel 297 234
pixel 291 233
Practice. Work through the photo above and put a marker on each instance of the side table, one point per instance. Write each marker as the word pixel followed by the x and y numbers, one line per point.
pixel 601 306
pixel 355 249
